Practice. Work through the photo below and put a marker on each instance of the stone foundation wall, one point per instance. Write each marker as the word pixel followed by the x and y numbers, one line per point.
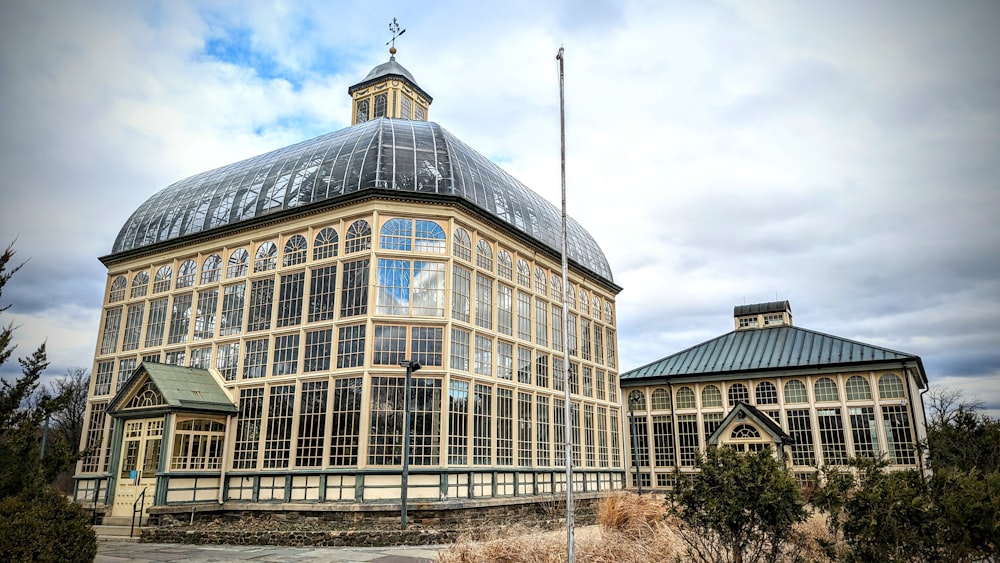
pixel 354 528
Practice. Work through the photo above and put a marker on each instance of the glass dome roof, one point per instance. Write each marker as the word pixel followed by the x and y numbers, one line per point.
pixel 385 154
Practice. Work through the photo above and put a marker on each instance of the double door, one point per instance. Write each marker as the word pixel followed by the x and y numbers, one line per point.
pixel 140 456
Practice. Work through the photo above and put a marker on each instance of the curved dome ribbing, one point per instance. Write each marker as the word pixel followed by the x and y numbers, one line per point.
pixel 392 154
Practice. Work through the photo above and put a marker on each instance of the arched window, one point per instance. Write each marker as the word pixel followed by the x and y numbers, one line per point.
pixel 540 285
pixel 685 398
pixel 239 263
pixel 661 399
pixel 556 283
pixel 825 390
pixel 186 274
pixel 637 400
pixel 608 313
pixel 597 307
pixel 161 281
pixel 359 237
pixel 858 389
pixel 745 432
pixel 766 393
pixel 795 392
pixel 140 284
pixel 890 387
pixel 396 234
pixel 361 112
pixel 325 244
pixel 380 105
pixel 505 266
pixel 523 274
pixel 584 303
pixel 484 255
pixel 117 292
pixel 462 244
pixel 430 237
pixel 266 258
pixel 711 396
pixel 211 269
pixel 571 296
pixel 295 251
pixel 738 393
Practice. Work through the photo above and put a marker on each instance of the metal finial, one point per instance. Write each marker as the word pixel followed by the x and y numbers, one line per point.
pixel 396 32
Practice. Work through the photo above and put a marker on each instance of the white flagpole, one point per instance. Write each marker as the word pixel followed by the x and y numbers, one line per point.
pixel 567 431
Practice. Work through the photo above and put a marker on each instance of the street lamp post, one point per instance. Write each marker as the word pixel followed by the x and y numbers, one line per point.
pixel 411 366
pixel 635 444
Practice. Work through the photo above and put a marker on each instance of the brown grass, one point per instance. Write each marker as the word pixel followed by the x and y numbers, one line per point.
pixel 631 529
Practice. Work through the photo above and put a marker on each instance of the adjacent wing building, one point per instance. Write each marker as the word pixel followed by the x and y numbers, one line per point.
pixel 812 398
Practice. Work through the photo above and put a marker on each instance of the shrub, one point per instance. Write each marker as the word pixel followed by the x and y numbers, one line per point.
pixel 45 526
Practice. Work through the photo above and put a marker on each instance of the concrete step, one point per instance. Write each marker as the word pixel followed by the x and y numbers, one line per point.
pixel 107 532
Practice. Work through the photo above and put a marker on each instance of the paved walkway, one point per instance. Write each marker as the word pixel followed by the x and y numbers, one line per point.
pixel 121 552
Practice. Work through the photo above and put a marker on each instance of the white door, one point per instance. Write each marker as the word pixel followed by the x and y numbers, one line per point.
pixel 140 456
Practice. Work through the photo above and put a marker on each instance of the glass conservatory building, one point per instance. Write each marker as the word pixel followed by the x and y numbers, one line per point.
pixel 258 319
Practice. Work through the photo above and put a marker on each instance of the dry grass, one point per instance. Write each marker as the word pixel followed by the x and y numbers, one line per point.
pixel 633 515
pixel 631 529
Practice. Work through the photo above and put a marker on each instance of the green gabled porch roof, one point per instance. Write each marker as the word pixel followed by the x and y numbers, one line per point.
pixel 764 422
pixel 182 388
pixel 769 349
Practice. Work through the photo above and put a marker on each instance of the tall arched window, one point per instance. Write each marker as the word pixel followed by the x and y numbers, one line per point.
pixel 596 307
pixel 738 393
pixel 430 237
pixel 186 274
pixel 140 284
pixel 239 263
pixel 766 393
pixel 858 389
pixel 685 398
pixel 325 244
pixel 396 234
pixel 211 269
pixel 826 390
pixel 711 396
pixel 117 292
pixel 484 255
pixel 540 285
pixel 462 244
pixel 637 400
pixel 295 251
pixel 523 274
pixel 609 316
pixel 571 296
pixel 505 266
pixel 161 282
pixel 661 399
pixel 890 387
pixel 795 392
pixel 380 105
pixel 359 237
pixel 556 283
pixel 361 112
pixel 584 303
pixel 266 258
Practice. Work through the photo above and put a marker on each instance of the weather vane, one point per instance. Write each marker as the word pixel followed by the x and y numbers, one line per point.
pixel 396 32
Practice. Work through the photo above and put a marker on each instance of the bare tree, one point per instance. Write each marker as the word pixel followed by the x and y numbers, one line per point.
pixel 945 402
pixel 67 423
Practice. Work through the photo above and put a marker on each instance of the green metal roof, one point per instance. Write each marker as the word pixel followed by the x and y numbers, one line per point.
pixel 765 349
pixel 183 388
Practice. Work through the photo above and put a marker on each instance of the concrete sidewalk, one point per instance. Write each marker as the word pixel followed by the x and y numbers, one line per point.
pixel 120 552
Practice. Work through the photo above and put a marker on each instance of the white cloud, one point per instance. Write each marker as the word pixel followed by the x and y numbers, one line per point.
pixel 840 157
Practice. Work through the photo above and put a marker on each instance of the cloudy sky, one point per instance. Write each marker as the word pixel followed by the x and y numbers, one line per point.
pixel 843 156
